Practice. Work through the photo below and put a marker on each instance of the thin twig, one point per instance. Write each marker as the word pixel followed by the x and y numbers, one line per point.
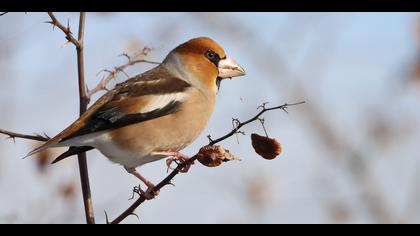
pixel 242 124
pixel 3 13
pixel 176 171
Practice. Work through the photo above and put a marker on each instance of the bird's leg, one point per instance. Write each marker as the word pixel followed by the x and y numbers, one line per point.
pixel 149 194
pixel 173 157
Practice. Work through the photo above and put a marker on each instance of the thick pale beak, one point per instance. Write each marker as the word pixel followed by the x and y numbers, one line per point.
pixel 228 68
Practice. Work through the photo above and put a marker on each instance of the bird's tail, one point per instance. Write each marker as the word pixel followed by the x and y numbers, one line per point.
pixel 72 151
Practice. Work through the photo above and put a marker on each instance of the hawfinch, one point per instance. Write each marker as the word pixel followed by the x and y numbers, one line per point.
pixel 155 114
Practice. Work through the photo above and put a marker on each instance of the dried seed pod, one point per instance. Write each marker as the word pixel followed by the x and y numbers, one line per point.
pixel 212 156
pixel 268 148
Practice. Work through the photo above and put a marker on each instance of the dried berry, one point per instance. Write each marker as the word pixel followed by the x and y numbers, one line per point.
pixel 212 156
pixel 266 147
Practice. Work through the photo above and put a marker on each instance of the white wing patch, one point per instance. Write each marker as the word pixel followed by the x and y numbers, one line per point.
pixel 160 101
pixel 155 102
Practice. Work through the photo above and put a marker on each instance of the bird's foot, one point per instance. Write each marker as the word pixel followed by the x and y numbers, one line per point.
pixel 149 194
pixel 176 157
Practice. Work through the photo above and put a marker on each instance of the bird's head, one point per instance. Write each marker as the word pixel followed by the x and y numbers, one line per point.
pixel 203 63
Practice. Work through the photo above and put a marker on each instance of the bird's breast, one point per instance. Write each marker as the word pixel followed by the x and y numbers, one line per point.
pixel 132 145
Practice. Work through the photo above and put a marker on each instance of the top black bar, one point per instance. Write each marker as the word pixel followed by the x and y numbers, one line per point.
pixel 210 5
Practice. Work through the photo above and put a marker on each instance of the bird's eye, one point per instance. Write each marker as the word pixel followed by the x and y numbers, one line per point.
pixel 213 57
pixel 210 55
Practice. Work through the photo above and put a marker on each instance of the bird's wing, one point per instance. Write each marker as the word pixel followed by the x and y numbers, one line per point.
pixel 148 96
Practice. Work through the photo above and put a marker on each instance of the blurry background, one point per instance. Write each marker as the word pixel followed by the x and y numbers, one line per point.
pixel 350 154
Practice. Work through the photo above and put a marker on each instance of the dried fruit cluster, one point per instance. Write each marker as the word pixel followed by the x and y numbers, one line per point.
pixel 212 156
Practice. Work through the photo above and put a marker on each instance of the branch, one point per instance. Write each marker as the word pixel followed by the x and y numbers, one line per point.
pixel 14 135
pixel 182 165
pixel 66 29
pixel 83 100
pixel 112 74
pixel 3 13
pixel 239 124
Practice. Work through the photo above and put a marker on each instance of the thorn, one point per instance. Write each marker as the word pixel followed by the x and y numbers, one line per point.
pixel 210 139
pixel 68 25
pixel 235 123
pixel 65 44
pixel 12 137
pixel 106 218
pixel 126 56
pixel 134 214
pixel 170 183
pixel 241 132
pixel 262 106
pixel 52 23
pixel 87 89
pixel 46 135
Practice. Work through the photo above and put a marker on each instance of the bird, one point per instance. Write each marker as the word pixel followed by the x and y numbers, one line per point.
pixel 155 114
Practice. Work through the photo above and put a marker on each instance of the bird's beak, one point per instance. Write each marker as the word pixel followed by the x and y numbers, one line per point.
pixel 228 68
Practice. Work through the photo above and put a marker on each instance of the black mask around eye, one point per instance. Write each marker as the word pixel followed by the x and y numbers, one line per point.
pixel 213 57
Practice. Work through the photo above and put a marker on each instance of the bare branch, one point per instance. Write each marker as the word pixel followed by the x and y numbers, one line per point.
pixel 182 165
pixel 3 13
pixel 83 100
pixel 66 29
pixel 113 74
pixel 14 135
pixel 242 124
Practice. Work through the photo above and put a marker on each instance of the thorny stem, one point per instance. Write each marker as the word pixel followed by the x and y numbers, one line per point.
pixel 83 100
pixel 14 135
pixel 176 171
pixel 66 29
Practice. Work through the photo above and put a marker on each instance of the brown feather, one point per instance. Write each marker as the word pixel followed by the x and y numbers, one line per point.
pixel 168 133
pixel 128 96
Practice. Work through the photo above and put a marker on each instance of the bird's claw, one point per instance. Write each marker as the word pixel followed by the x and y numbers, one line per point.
pixel 178 159
pixel 149 194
